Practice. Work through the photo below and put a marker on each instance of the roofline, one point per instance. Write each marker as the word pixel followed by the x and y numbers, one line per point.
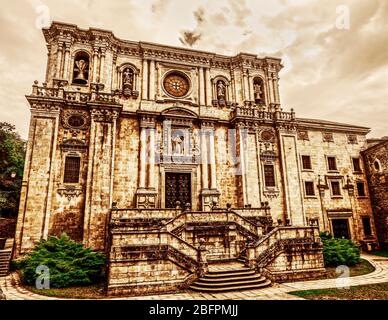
pixel 75 28
pixel 380 144
pixel 330 125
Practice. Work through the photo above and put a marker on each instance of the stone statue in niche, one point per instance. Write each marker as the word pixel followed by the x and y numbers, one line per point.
pixel 127 81
pixel 221 90
pixel 177 145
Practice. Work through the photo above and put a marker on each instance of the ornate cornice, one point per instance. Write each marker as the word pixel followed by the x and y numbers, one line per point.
pixel 103 39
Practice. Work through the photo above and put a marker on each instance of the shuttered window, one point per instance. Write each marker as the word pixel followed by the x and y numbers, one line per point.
pixel 72 168
pixel 269 175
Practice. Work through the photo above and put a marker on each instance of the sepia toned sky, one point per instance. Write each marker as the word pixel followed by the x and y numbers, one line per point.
pixel 335 52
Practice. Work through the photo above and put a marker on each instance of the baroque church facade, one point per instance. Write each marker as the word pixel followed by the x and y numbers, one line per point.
pixel 126 138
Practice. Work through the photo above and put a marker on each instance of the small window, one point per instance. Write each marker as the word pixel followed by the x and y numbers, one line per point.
pixel 309 188
pixel 269 175
pixel 72 169
pixel 361 189
pixel 376 164
pixel 332 164
pixel 306 162
pixel 335 188
pixel 356 165
pixel 367 227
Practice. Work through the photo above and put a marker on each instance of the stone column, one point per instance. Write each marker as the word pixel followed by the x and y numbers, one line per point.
pixel 59 60
pixel 246 86
pixel 212 161
pixel 99 184
pixel 270 89
pixel 101 67
pixel 151 180
pixel 152 80
pixel 241 133
pixel 65 74
pixel 145 76
pixel 143 157
pixel 95 65
pixel 204 160
pixel 250 84
pixel 208 87
pixel 276 88
pixel 201 90
pixel 38 179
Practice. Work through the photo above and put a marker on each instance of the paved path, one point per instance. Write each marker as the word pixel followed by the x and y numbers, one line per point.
pixel 14 291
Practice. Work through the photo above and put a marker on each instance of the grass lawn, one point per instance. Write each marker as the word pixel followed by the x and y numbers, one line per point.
pixel 361 268
pixel 365 292
pixel 86 292
pixel 381 253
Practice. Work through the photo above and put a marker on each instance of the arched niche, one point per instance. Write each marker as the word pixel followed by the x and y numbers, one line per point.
pixel 259 90
pixel 221 91
pixel 81 67
pixel 128 80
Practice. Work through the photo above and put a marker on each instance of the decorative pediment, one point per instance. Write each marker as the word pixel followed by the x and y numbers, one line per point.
pixel 179 112
pixel 73 145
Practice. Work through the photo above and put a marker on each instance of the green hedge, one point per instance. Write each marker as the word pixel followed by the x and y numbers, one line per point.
pixel 339 251
pixel 69 263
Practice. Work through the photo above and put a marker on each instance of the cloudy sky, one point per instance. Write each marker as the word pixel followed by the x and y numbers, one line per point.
pixel 335 52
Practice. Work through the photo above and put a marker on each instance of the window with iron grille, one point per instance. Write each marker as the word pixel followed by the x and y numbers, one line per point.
pixel 335 188
pixel 356 164
pixel 306 162
pixel 332 163
pixel 309 188
pixel 269 175
pixel 72 169
pixel 361 189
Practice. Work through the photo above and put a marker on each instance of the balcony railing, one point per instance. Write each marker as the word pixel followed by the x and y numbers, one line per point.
pixel 256 113
pixel 74 96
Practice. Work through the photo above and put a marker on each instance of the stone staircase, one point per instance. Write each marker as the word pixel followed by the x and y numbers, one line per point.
pixel 232 276
pixel 5 257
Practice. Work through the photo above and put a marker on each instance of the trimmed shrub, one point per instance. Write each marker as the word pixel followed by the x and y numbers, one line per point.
pixel 69 263
pixel 339 252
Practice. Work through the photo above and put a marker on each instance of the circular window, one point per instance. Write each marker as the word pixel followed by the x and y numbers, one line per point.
pixel 76 121
pixel 176 84
pixel 377 165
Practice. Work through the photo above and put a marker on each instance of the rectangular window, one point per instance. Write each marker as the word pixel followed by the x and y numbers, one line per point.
pixel 269 175
pixel 335 188
pixel 72 168
pixel 356 165
pixel 332 164
pixel 361 189
pixel 309 188
pixel 366 225
pixel 306 163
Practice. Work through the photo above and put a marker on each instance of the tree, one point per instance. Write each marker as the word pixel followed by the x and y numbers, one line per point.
pixel 12 153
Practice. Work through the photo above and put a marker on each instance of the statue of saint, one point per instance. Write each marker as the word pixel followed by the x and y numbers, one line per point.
pixel 178 148
pixel 128 77
pixel 221 90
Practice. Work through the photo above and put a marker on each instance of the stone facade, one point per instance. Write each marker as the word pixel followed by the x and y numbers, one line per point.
pixel 157 132
pixel 376 160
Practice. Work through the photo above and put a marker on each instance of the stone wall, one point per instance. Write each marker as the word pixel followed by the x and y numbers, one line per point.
pixel 376 161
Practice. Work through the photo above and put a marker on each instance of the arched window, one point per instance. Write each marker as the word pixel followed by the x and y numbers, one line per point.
pixel 81 68
pixel 258 90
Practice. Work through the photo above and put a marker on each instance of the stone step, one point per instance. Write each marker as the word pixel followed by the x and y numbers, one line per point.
pixel 230 273
pixel 238 283
pixel 229 279
pixel 232 288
